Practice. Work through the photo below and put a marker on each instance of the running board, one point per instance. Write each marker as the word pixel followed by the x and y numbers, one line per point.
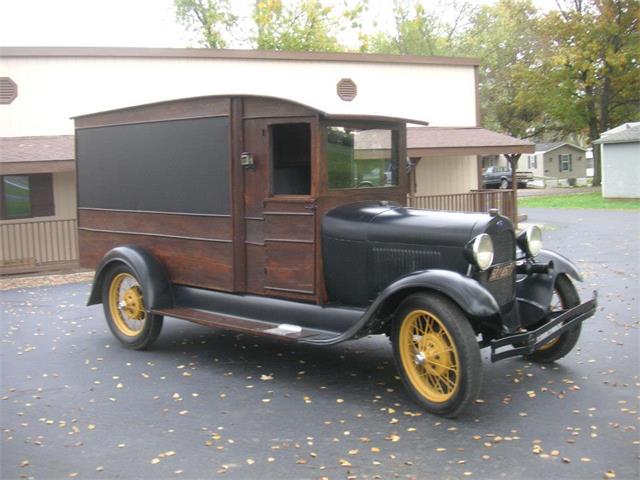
pixel 282 331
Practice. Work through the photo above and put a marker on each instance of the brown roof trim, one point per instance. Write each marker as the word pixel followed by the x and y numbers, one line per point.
pixel 127 52
pixel 84 121
pixel 50 166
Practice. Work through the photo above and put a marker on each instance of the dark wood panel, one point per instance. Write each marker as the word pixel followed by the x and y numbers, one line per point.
pixel 176 110
pixel 289 267
pixel 210 227
pixel 255 268
pixel 190 262
pixel 257 107
pixel 290 227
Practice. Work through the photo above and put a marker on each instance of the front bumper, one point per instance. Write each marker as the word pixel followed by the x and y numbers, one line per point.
pixel 526 343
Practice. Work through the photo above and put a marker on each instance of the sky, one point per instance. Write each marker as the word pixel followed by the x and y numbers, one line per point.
pixel 122 23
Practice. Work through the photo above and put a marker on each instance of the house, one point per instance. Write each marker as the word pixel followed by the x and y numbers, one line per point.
pixel 41 88
pixel 620 156
pixel 37 202
pixel 558 163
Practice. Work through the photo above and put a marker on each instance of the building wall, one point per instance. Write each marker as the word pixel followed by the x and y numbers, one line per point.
pixel 444 175
pixel 53 89
pixel 621 170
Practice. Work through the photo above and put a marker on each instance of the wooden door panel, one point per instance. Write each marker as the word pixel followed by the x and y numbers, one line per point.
pixel 289 267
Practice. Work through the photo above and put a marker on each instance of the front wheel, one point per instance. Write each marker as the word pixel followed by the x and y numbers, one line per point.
pixel 125 310
pixel 504 184
pixel 436 353
pixel 565 296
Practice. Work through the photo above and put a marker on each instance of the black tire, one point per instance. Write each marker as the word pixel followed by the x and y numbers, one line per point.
pixel 504 184
pixel 558 348
pixel 145 329
pixel 415 358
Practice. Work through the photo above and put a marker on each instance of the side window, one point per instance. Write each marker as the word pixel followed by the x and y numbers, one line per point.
pixel 26 196
pixel 291 159
pixel 565 163
pixel 361 158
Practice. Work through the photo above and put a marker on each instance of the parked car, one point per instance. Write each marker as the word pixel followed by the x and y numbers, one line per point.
pixel 500 177
pixel 243 213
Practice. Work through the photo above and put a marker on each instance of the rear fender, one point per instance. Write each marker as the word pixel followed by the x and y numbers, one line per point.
pixel 149 271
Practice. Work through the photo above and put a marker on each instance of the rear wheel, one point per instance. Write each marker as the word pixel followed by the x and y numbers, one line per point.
pixel 126 313
pixel 436 353
pixel 564 296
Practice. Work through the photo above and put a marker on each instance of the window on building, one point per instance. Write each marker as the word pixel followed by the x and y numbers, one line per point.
pixel 26 196
pixel 361 158
pixel 565 163
pixel 532 161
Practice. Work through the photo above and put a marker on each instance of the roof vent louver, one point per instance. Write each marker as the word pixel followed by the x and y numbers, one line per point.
pixel 347 89
pixel 8 90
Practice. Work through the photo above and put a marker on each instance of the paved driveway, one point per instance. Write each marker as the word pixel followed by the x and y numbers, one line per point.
pixel 205 403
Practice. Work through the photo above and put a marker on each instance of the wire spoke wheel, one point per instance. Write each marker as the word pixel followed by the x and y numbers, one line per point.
pixel 429 356
pixel 436 353
pixel 126 304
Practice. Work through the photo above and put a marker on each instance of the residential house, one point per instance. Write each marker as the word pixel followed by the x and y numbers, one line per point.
pixel 558 163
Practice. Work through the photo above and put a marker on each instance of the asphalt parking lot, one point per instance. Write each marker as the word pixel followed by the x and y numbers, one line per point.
pixel 207 404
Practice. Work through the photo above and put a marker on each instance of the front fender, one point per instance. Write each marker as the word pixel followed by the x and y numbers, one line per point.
pixel 535 291
pixel 472 298
pixel 561 264
pixel 151 274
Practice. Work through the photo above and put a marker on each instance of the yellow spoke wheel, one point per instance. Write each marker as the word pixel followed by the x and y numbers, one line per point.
pixel 436 353
pixel 429 356
pixel 126 304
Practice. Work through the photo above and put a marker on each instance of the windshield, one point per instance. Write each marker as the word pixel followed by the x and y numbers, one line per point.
pixel 361 158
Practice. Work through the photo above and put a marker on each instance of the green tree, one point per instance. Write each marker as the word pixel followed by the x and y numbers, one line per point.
pixel 505 38
pixel 591 67
pixel 209 18
pixel 422 31
pixel 307 25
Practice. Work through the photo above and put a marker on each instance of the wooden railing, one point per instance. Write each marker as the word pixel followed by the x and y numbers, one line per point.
pixel 34 246
pixel 474 201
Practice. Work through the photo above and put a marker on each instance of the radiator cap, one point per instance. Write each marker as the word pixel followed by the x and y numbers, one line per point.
pixel 493 212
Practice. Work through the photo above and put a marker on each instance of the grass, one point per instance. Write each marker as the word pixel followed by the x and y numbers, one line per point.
pixel 579 200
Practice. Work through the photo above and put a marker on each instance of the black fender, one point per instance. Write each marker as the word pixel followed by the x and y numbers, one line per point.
pixel 471 297
pixel 149 271
pixel 535 291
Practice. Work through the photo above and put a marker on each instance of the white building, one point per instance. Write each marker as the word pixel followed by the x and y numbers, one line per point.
pixel 620 156
pixel 41 88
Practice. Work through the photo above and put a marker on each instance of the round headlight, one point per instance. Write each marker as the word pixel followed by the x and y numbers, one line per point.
pixel 534 240
pixel 482 251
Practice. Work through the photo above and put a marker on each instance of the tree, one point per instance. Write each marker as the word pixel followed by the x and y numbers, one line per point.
pixel 307 25
pixel 592 67
pixel 209 18
pixel 505 37
pixel 419 31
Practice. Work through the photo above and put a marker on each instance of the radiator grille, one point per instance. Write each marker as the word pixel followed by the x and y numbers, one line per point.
pixel 391 263
pixel 504 248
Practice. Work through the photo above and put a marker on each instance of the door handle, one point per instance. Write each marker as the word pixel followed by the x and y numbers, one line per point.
pixel 313 207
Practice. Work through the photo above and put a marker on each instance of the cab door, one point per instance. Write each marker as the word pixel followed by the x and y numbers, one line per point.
pixel 279 207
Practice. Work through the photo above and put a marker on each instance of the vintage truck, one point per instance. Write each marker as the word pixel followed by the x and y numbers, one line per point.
pixel 497 176
pixel 267 217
